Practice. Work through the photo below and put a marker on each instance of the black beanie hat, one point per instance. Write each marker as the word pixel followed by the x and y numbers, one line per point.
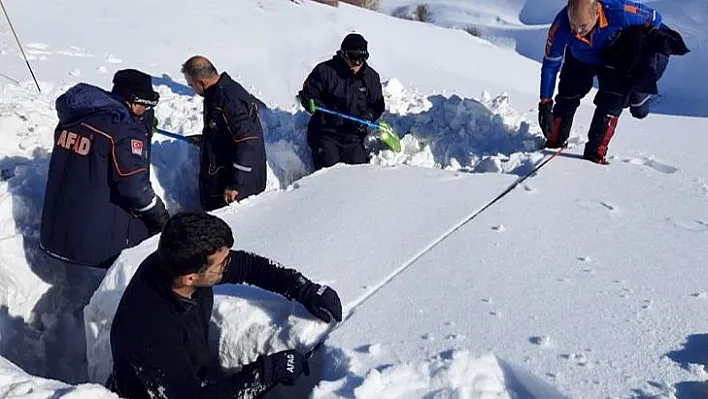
pixel 134 86
pixel 354 41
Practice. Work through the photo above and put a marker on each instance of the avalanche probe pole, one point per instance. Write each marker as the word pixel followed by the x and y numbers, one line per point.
pixel 20 45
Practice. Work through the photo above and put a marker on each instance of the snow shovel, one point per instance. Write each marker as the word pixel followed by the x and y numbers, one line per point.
pixel 385 131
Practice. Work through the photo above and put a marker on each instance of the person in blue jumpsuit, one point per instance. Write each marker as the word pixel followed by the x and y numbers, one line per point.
pixel 625 45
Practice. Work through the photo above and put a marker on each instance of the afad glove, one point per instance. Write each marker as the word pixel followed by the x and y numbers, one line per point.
pixel 284 367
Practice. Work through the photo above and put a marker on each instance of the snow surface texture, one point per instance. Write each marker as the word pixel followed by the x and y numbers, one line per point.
pixel 583 282
pixel 15 383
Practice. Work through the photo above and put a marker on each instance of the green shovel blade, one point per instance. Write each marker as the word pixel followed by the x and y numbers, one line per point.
pixel 389 137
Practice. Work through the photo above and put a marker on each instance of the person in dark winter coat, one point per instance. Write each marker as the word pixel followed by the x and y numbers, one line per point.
pixel 232 150
pixel 622 43
pixel 160 330
pixel 347 84
pixel 99 199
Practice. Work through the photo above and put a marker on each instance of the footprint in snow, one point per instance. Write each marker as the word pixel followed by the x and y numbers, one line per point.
pixel 541 340
pixel 374 349
pixel 597 205
pixel 652 164
pixel 689 225
pixel 529 189
pixel 586 269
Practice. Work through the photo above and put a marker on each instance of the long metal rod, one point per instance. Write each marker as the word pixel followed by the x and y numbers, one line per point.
pixel 20 45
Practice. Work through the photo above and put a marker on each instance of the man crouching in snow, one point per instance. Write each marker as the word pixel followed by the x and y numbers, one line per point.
pixel 622 43
pixel 159 333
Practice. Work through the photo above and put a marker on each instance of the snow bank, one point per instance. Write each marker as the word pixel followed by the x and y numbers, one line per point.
pixel 454 374
pixel 466 134
pixel 14 382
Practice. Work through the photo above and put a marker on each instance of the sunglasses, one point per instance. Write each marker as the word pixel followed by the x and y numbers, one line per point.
pixel 356 55
pixel 147 102
pixel 223 266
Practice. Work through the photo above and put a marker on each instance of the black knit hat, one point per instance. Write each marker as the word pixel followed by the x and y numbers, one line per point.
pixel 134 86
pixel 354 42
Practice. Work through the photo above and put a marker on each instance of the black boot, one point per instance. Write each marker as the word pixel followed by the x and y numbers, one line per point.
pixel 639 105
pixel 601 131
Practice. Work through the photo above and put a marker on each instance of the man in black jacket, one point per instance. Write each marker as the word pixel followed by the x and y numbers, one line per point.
pixel 99 199
pixel 233 157
pixel 347 84
pixel 160 329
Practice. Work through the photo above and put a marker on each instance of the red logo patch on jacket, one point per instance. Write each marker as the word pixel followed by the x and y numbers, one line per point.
pixel 137 147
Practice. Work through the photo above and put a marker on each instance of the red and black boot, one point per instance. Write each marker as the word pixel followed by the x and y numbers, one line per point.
pixel 560 132
pixel 601 131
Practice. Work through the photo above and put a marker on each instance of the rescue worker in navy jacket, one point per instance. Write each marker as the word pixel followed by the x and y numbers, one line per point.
pixel 623 43
pixel 347 84
pixel 159 335
pixel 98 198
pixel 233 157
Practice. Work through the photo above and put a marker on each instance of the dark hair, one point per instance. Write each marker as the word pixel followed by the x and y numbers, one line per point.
pixel 187 241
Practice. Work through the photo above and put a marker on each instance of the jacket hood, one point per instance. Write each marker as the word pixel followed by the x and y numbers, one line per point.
pixel 83 100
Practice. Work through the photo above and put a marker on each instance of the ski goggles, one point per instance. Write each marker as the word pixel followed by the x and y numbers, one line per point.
pixel 356 55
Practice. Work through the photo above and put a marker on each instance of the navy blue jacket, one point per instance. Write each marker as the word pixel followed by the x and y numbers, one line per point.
pixel 98 179
pixel 159 340
pixel 332 85
pixel 615 16
pixel 232 151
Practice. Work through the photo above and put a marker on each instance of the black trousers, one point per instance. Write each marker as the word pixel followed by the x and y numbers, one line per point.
pixel 616 91
pixel 328 151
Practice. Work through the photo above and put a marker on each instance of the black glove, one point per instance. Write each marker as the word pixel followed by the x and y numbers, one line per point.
pixel 545 117
pixel 155 218
pixel 361 129
pixel 284 367
pixel 322 301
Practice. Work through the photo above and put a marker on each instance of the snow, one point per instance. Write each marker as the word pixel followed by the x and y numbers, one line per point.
pixel 15 383
pixel 583 281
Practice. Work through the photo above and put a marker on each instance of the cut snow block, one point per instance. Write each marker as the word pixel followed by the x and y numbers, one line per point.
pixel 347 226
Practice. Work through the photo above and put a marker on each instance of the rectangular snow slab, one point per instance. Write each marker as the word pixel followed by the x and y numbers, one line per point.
pixel 585 275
